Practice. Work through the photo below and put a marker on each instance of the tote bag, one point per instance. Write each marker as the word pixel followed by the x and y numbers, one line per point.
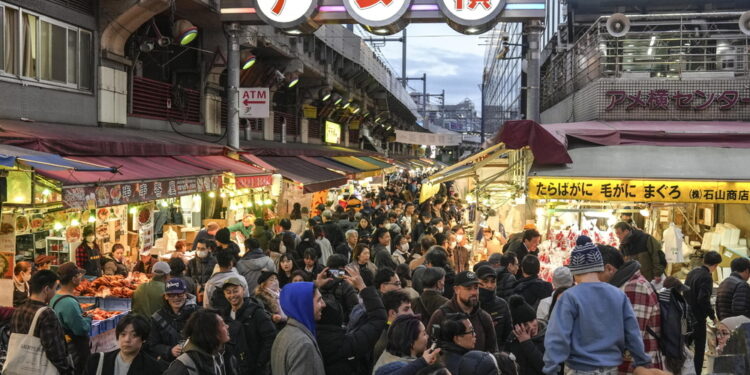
pixel 26 354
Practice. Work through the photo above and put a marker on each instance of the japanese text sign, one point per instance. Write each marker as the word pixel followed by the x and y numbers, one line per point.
pixel 471 12
pixel 332 132
pixel 639 190
pixel 87 197
pixel 255 102
pixel 662 99
pixel 285 13
pixel 376 13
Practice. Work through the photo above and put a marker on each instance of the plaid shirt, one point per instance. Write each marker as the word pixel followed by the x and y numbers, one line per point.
pixel 48 329
pixel 645 304
pixel 82 256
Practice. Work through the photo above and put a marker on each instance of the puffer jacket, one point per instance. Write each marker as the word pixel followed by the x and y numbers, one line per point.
pixel 532 289
pixel 252 265
pixel 645 249
pixel 500 314
pixel 205 364
pixel 505 283
pixel 733 297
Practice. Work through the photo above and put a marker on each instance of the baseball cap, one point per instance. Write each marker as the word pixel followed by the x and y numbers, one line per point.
pixel 162 268
pixel 68 270
pixel 232 281
pixel 175 286
pixel 484 272
pixel 466 278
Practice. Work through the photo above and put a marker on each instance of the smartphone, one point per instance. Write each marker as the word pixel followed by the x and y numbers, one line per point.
pixel 337 273
pixel 434 335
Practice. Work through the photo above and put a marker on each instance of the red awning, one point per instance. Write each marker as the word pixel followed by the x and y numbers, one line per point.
pixel 247 176
pixel 140 179
pixel 549 142
pixel 312 177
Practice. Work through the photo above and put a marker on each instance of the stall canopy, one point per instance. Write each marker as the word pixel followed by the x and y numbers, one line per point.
pixel 549 142
pixel 376 162
pixel 312 177
pixel 327 163
pixel 138 179
pixel 469 166
pixel 246 176
pixel 366 169
pixel 10 155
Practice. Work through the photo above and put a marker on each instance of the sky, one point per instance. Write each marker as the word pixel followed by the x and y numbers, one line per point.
pixel 453 61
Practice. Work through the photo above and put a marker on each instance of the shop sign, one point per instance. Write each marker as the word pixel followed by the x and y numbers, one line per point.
pixel 664 191
pixel 377 13
pixel 310 111
pixel 428 191
pixel 284 14
pixel 332 133
pixel 255 102
pixel 87 197
pixel 662 99
pixel 249 182
pixel 472 13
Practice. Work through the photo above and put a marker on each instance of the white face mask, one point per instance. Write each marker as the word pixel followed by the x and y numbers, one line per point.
pixel 452 244
pixel 440 229
pixel 202 254
pixel 27 277
pixel 405 247
pixel 459 237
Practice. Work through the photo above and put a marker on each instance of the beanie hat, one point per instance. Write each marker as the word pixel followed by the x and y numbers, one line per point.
pixel 476 362
pixel 561 276
pixel 520 311
pixel 223 235
pixel 265 275
pixel 582 240
pixel 586 258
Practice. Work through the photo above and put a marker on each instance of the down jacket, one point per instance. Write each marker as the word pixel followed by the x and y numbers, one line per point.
pixel 733 297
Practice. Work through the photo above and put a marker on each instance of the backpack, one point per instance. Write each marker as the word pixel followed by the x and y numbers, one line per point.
pixel 189 364
pixel 218 301
pixel 674 325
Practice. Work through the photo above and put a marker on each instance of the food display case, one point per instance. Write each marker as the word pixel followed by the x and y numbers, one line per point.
pixel 58 248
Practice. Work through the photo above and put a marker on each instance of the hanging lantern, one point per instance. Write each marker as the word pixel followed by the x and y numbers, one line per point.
pixel 184 32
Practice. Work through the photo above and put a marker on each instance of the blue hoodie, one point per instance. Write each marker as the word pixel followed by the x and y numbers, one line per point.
pixel 297 303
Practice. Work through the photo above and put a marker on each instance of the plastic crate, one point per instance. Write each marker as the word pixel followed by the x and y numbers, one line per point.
pixel 115 304
pixel 101 326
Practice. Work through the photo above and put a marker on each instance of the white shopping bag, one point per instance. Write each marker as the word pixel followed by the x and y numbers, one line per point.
pixel 26 354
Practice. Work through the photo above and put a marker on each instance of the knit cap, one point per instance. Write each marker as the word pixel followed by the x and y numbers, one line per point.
pixel 582 240
pixel 520 311
pixel 561 276
pixel 223 236
pixel 585 259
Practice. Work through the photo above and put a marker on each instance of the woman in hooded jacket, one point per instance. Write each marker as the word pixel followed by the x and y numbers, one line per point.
pixel 204 352
pixel 348 353
pixel 268 292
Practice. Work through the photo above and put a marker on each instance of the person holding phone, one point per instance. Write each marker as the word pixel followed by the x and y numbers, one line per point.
pixel 407 351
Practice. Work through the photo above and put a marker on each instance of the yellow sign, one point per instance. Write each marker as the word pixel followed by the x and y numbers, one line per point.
pixel 428 191
pixel 310 111
pixel 354 125
pixel 333 133
pixel 639 190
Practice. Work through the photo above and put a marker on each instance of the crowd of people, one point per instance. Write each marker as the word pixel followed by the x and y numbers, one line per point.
pixel 380 285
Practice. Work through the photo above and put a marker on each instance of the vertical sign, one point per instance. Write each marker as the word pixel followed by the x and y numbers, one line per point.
pixel 254 102
pixel 332 133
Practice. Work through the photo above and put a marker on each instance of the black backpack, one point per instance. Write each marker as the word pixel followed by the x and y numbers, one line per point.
pixel 218 301
pixel 675 327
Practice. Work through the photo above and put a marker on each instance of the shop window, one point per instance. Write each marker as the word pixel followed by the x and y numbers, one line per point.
pixel 72 56
pixel 29 44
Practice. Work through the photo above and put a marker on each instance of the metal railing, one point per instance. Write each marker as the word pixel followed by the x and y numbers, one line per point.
pixel 667 46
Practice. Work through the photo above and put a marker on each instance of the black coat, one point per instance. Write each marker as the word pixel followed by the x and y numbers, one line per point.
pixel 529 354
pixel 166 331
pixel 532 289
pixel 699 296
pixel 500 314
pixel 340 292
pixel 205 363
pixel 142 364
pixel 505 283
pixel 344 250
pixel 382 257
pixel 733 297
pixel 348 353
pixel 252 333
pixel 201 269
pixel 450 356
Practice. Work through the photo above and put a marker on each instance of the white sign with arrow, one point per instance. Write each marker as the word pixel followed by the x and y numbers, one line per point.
pixel 254 102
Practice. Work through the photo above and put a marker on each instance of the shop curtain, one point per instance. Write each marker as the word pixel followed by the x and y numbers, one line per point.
pixel 10 38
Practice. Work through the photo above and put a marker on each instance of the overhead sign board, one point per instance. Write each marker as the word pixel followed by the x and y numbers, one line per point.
pixel 255 102
pixel 332 133
pixel 382 16
pixel 377 13
pixel 285 14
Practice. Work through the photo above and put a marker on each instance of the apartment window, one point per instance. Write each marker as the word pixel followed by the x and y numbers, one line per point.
pixel 9 40
pixel 43 49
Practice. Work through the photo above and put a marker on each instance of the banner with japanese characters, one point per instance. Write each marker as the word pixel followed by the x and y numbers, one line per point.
pixel 105 195
pixel 664 191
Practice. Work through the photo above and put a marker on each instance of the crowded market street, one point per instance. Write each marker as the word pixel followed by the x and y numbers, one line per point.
pixel 544 187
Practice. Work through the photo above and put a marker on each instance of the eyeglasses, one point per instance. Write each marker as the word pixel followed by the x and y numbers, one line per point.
pixel 472 332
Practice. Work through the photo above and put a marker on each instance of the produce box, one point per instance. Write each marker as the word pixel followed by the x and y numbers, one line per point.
pixel 101 326
pixel 114 303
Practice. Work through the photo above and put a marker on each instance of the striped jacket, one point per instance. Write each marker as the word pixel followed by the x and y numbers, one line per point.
pixel 645 303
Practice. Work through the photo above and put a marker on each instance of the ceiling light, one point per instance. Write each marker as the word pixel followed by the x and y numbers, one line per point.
pixel 249 62
pixel 293 80
pixel 184 32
